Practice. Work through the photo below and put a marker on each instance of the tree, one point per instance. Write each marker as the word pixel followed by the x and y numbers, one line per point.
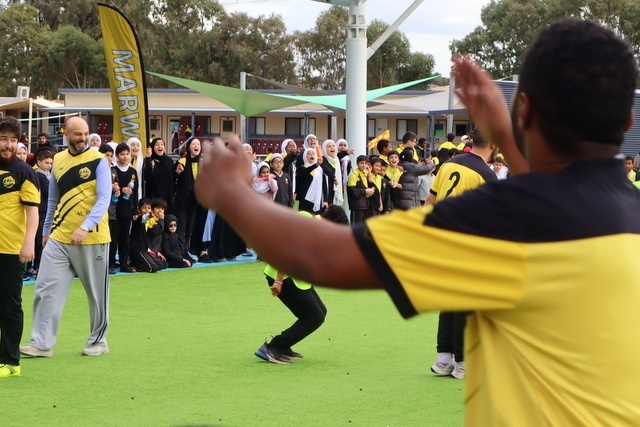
pixel 73 59
pixel 509 27
pixel 22 42
pixel 321 52
pixel 257 46
pixel 393 62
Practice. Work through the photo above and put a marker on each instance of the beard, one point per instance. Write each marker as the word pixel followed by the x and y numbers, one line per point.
pixel 7 154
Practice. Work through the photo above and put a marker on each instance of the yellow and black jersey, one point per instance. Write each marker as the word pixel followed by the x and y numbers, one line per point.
pixel 19 188
pixel 547 264
pixel 76 181
pixel 194 166
pixel 459 174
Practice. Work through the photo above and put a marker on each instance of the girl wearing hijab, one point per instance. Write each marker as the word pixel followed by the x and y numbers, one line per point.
pixel 310 141
pixel 190 214
pixel 264 183
pixel 310 183
pixel 345 160
pixel 158 174
pixel 95 141
pixel 137 161
pixel 333 173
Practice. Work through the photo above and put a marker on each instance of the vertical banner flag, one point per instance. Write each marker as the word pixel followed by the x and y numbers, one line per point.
pixel 126 76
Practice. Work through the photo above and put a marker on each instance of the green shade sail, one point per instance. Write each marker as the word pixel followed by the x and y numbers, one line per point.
pixel 251 103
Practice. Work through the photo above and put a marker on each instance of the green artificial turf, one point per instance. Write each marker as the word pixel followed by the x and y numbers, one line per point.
pixel 181 353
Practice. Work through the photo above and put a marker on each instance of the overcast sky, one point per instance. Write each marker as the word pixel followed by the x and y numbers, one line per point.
pixel 430 28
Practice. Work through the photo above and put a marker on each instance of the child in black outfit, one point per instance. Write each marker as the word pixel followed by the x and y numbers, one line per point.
pixel 125 193
pixel 173 245
pixel 143 258
pixel 303 301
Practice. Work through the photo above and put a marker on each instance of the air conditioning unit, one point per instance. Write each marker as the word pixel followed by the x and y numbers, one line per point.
pixel 23 92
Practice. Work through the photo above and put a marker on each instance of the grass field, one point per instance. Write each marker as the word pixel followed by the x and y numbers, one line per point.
pixel 181 353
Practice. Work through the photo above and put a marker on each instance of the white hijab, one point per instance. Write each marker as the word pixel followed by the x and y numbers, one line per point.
pixel 338 198
pixel 261 185
pixel 344 163
pixel 138 166
pixel 283 146
pixel 305 144
pixel 314 194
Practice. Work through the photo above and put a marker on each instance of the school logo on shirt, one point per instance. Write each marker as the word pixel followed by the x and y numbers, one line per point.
pixel 8 182
pixel 84 173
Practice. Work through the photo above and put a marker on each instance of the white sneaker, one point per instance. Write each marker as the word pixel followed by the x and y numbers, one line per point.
pixel 443 365
pixel 458 370
pixel 95 350
pixel 31 351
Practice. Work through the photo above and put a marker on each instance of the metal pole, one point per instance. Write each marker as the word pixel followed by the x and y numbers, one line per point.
pixel 243 120
pixel 356 89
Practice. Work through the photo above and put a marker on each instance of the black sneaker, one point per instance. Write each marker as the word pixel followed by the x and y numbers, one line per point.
pixel 291 354
pixel 205 259
pixel 272 355
pixel 112 270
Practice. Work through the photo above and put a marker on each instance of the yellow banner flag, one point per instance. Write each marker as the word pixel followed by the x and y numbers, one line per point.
pixel 383 135
pixel 126 76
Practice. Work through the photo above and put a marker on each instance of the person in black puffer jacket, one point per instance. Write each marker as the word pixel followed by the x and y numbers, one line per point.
pixel 407 196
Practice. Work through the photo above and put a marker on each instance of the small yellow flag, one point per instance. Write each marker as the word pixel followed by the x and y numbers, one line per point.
pixel 374 141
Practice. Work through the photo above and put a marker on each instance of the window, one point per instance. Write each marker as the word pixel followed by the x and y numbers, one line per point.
pixel 461 129
pixel 295 126
pixel 257 125
pixel 405 125
pixel 371 128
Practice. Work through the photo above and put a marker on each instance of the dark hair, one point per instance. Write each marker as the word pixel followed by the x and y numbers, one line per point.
pixel 122 147
pixel 450 137
pixel 409 136
pixel 42 134
pixel 479 141
pixel 10 125
pixel 383 163
pixel 158 202
pixel 374 159
pixel 104 148
pixel 393 153
pixel 361 158
pixel 335 213
pixel 421 140
pixel 44 154
pixel 381 144
pixel 629 158
pixel 580 79
pixel 407 155
pixel 144 201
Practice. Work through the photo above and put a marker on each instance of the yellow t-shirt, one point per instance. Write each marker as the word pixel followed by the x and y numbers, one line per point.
pixel 552 288
pixel 19 189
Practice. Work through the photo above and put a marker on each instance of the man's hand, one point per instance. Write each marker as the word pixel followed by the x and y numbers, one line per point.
pixel 488 110
pixel 223 172
pixel 78 237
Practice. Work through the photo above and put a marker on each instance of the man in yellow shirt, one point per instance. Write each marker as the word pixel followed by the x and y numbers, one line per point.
pixel 19 199
pixel 548 275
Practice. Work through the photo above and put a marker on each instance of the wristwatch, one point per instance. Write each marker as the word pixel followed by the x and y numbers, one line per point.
pixel 84 228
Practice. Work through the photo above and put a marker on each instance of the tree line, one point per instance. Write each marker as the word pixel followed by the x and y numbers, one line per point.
pixel 51 44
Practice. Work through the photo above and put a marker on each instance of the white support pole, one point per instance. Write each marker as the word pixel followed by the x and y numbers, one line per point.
pixel 243 120
pixel 452 86
pixel 356 89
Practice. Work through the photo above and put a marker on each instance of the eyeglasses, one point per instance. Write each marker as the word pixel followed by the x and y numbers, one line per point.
pixel 173 225
pixel 6 138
